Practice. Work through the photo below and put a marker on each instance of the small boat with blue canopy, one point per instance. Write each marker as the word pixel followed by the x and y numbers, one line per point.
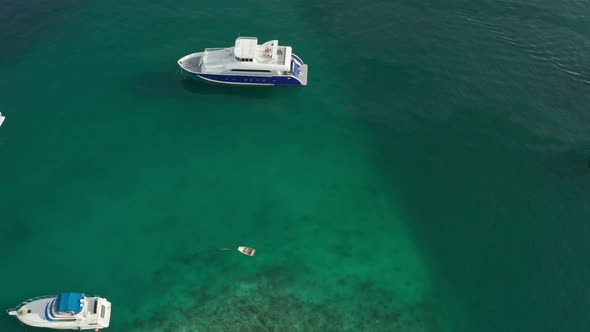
pixel 66 311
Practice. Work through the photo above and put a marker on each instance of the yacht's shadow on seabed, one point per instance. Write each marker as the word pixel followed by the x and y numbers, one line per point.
pixel 177 84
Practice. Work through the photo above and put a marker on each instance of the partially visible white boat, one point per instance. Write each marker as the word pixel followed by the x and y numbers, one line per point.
pixel 66 311
pixel 1 119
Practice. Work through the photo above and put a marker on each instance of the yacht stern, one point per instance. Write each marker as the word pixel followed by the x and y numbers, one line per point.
pixel 303 74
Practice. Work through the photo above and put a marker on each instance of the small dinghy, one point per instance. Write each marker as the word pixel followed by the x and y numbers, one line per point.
pixel 1 119
pixel 244 250
pixel 247 251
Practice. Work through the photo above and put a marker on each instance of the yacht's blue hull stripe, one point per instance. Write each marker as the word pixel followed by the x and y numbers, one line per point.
pixel 253 80
pixel 295 69
pixel 47 312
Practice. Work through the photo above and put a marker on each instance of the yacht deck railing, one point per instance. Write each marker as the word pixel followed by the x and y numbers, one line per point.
pixel 22 304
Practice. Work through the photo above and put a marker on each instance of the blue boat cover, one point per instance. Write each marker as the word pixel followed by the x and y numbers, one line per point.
pixel 69 302
pixel 295 68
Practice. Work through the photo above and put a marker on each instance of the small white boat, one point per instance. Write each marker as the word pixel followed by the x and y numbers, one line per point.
pixel 1 119
pixel 66 311
pixel 247 251
pixel 247 63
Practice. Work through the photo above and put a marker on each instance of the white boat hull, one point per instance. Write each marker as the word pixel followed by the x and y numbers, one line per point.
pixel 189 66
pixel 247 251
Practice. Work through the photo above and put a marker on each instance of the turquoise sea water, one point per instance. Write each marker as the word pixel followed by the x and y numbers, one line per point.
pixel 433 176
